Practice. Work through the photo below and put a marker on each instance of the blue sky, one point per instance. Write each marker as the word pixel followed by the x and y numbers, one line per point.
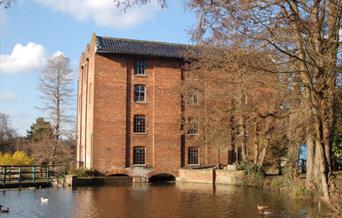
pixel 34 30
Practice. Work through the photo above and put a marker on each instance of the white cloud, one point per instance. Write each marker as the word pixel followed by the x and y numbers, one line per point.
pixel 24 58
pixel 57 53
pixel 8 96
pixel 103 12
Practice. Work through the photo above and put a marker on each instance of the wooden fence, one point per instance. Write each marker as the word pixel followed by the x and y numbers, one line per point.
pixel 30 175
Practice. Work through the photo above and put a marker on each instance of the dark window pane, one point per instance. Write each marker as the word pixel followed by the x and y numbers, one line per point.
pixel 139 93
pixel 139 155
pixel 139 123
pixel 139 67
pixel 193 154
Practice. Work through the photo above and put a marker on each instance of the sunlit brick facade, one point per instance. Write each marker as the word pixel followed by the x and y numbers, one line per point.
pixel 130 109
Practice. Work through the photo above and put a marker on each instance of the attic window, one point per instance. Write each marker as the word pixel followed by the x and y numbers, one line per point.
pixel 139 67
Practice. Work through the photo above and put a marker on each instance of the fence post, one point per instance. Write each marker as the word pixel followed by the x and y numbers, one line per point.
pixel 34 174
pixel 47 173
pixel 19 177
pixel 4 175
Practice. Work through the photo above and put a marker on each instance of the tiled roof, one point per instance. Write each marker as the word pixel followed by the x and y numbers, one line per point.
pixel 140 47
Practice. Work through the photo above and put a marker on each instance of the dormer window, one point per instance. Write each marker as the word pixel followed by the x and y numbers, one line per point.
pixel 139 67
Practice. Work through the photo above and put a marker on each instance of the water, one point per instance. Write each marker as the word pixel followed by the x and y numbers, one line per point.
pixel 142 200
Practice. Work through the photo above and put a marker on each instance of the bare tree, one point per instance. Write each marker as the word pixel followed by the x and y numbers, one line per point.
pixel 238 107
pixel 57 93
pixel 303 33
pixel 7 134
pixel 6 3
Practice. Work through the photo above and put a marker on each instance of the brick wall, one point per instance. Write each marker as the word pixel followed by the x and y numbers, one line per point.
pixel 106 110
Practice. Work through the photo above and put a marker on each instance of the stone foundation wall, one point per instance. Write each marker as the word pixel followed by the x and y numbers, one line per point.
pixel 196 175
pixel 229 177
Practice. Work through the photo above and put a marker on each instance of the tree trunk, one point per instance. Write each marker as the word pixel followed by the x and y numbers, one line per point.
pixel 256 142
pixel 242 138
pixel 310 158
pixel 263 152
pixel 322 171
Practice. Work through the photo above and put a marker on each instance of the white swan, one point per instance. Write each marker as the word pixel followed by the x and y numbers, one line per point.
pixel 44 199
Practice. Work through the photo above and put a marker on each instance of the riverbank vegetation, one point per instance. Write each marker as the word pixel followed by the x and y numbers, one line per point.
pixel 39 146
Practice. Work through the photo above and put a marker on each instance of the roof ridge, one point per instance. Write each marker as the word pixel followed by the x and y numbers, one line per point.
pixel 146 41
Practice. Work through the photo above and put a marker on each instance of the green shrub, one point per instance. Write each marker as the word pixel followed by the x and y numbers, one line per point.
pixel 254 175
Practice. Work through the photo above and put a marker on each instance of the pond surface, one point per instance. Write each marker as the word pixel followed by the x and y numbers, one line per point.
pixel 163 200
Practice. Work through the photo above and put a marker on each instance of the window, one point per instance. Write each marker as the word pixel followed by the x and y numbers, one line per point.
pixel 139 67
pixel 139 123
pixel 193 157
pixel 139 93
pixel 139 155
pixel 193 126
pixel 193 97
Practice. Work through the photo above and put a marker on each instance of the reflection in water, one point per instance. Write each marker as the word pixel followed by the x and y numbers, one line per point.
pixel 156 200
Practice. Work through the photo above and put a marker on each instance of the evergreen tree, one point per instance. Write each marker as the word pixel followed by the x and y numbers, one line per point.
pixel 40 131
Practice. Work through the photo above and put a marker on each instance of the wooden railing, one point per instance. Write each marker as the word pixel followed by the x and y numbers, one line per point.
pixel 29 175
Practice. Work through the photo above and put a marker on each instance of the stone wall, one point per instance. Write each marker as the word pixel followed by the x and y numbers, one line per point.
pixel 196 175
pixel 229 177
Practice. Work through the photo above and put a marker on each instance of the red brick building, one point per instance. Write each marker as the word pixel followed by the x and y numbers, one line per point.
pixel 129 108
